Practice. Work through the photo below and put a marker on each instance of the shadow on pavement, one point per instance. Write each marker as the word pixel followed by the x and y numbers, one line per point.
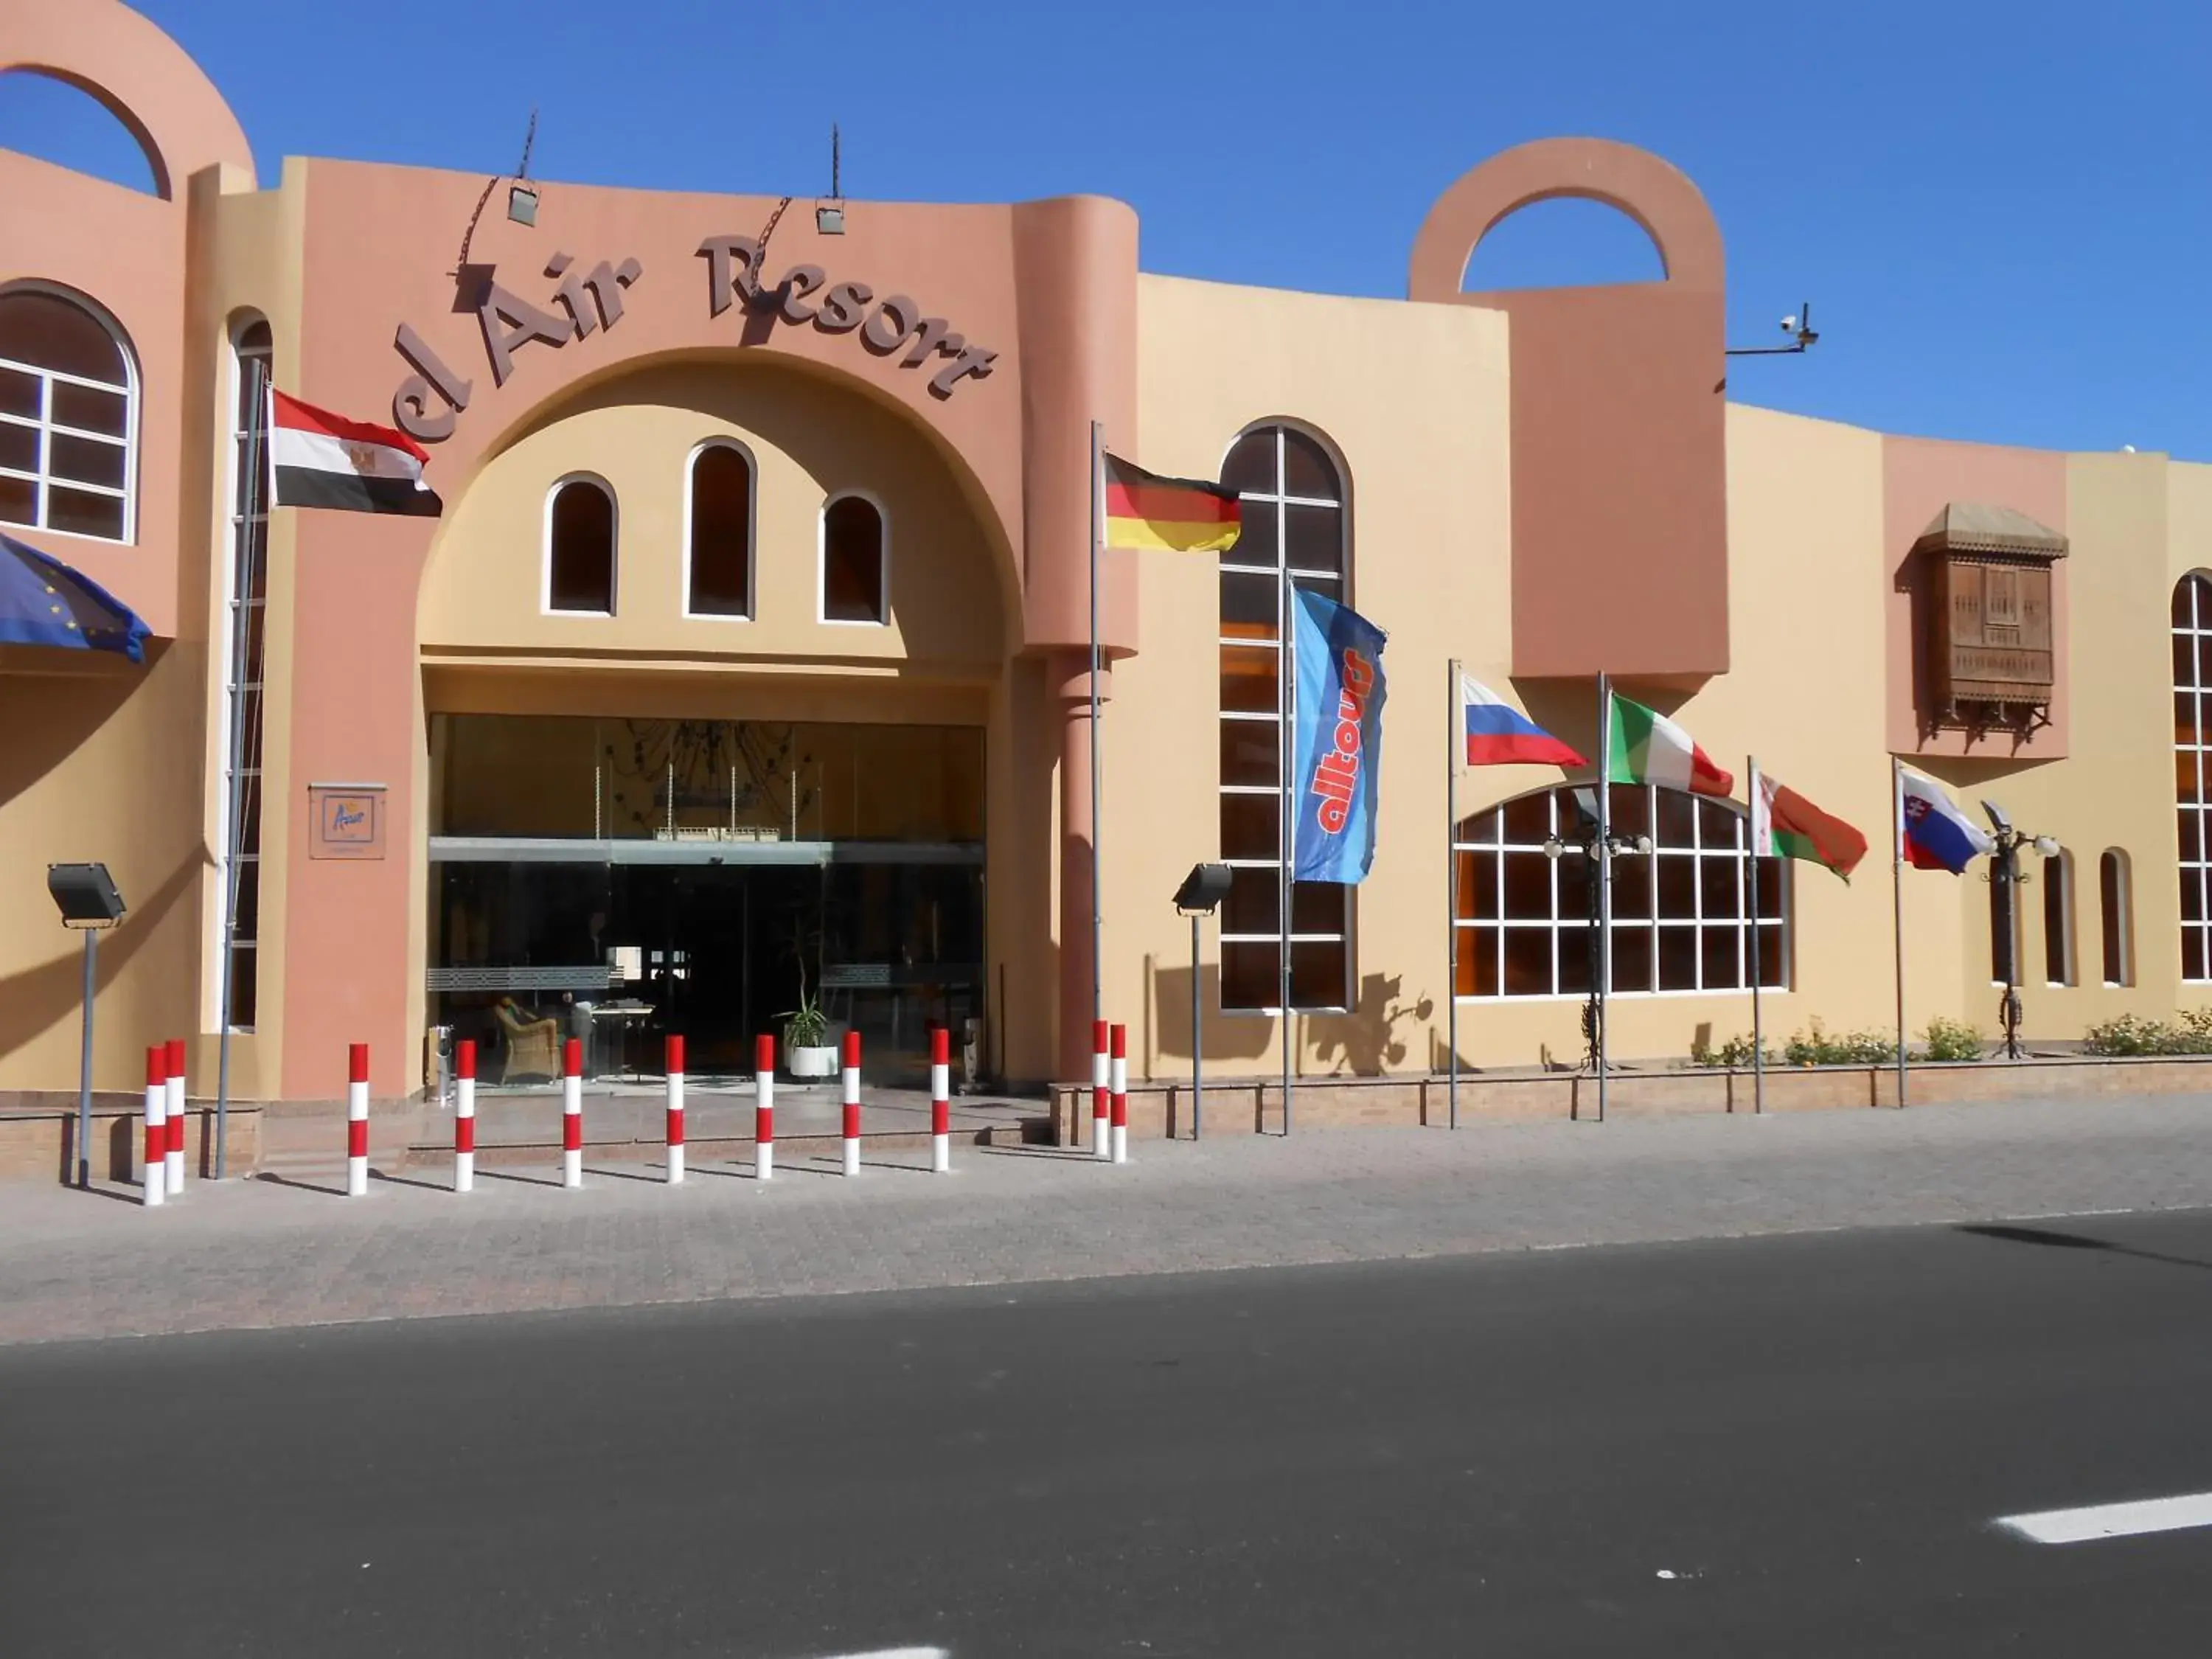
pixel 276 1180
pixel 2057 1240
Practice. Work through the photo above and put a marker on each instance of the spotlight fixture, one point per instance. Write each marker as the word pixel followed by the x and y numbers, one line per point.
pixel 522 204
pixel 829 214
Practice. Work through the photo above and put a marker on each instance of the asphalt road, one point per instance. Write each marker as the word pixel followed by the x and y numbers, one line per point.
pixel 1786 1446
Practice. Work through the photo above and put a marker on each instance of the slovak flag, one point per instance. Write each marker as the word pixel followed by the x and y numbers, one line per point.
pixel 1498 734
pixel 1937 835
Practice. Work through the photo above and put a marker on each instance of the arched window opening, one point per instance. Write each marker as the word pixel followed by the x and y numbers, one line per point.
pixel 47 117
pixel 719 532
pixel 68 417
pixel 246 587
pixel 2192 742
pixel 1295 533
pixel 2116 907
pixel 2058 918
pixel 579 547
pixel 1566 242
pixel 1526 925
pixel 855 562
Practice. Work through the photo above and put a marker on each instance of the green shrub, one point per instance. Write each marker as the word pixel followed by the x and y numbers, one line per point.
pixel 1951 1039
pixel 1851 1048
pixel 1735 1054
pixel 2133 1034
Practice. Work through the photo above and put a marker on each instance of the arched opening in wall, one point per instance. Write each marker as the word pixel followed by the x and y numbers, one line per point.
pixel 2058 918
pixel 69 415
pixel 1296 535
pixel 1565 241
pixel 2193 770
pixel 1527 923
pixel 44 116
pixel 2116 908
pixel 718 512
pixel 855 561
pixel 579 547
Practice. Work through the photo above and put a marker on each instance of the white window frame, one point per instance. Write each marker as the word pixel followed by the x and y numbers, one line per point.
pixel 822 561
pixel 41 478
pixel 2197 871
pixel 234 538
pixel 1572 933
pixel 752 532
pixel 1279 501
pixel 545 605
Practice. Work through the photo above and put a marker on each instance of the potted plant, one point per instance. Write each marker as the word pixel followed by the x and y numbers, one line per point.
pixel 807 1049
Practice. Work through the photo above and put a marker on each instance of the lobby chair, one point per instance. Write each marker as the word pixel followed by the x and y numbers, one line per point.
pixel 533 1046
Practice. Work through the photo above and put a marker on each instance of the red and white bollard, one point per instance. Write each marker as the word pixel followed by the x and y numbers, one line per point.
pixel 465 1116
pixel 1120 1084
pixel 1098 1148
pixel 572 1113
pixel 940 1101
pixel 357 1121
pixel 157 1125
pixel 763 1107
pixel 674 1065
pixel 172 1158
pixel 852 1103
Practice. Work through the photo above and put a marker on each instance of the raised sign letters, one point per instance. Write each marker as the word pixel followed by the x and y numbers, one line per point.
pixel 804 294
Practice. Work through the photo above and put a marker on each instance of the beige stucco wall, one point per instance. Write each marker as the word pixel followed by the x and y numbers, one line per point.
pixel 810 439
pixel 1413 399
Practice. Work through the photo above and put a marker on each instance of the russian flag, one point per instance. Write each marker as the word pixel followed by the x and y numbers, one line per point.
pixel 1937 835
pixel 1498 734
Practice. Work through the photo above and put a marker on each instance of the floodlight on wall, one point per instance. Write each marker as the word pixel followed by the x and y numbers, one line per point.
pixel 830 215
pixel 85 894
pixel 1203 890
pixel 522 197
pixel 522 203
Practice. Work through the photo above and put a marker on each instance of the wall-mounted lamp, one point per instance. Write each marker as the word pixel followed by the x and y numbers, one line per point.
pixel 522 204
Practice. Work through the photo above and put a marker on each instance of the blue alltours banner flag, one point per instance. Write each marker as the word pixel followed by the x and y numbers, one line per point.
pixel 1339 733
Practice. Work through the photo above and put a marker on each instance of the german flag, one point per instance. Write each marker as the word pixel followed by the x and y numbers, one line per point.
pixel 1182 515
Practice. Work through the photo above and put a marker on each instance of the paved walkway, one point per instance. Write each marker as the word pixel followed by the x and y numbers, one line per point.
pixel 254 1253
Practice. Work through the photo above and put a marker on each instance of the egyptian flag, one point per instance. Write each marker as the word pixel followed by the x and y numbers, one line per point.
pixel 1182 515
pixel 317 458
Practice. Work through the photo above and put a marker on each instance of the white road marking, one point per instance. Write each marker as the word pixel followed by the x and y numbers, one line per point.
pixel 2112 1520
pixel 898 1653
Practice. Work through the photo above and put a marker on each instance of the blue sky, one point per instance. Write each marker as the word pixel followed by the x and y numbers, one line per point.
pixel 1998 210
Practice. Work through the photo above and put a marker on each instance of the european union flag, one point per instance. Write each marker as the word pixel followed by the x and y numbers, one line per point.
pixel 44 602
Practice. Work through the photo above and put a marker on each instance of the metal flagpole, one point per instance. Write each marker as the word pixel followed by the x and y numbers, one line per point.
pixel 1097 819
pixel 1452 754
pixel 1602 873
pixel 246 549
pixel 1287 700
pixel 1758 954
pixel 1897 903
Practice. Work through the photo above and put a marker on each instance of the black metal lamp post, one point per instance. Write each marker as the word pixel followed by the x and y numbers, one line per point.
pixel 86 896
pixel 1199 897
pixel 2006 877
pixel 1600 854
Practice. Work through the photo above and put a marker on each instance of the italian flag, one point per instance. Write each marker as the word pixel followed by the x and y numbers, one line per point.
pixel 1785 825
pixel 1649 748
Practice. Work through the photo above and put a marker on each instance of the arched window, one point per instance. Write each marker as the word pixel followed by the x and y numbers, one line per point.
pixel 1681 912
pixel 2115 905
pixel 855 561
pixel 2192 741
pixel 2058 918
pixel 579 547
pixel 246 586
pixel 1295 533
pixel 69 417
pixel 718 546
